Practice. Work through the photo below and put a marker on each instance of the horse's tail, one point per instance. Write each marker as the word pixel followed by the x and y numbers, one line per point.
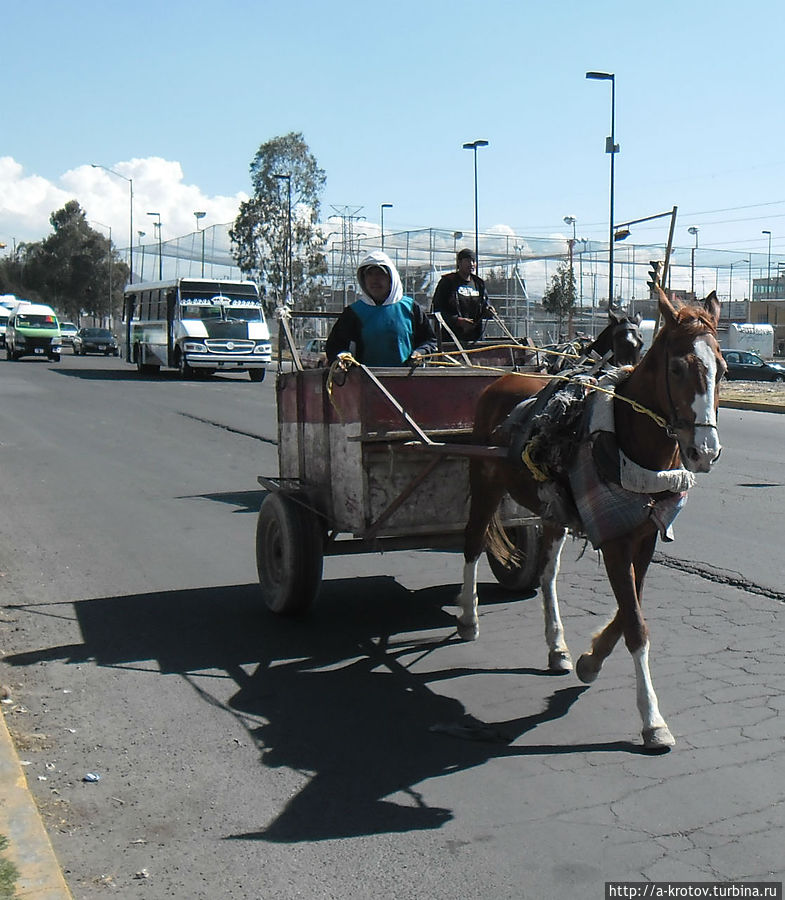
pixel 498 544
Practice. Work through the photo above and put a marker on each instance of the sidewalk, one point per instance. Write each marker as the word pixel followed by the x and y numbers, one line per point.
pixel 29 848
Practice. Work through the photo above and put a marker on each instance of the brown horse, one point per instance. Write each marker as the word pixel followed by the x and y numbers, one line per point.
pixel 676 435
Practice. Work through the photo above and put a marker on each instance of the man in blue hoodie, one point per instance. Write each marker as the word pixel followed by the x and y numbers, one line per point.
pixel 384 327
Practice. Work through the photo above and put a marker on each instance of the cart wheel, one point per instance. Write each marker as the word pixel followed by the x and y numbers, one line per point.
pixel 289 554
pixel 523 573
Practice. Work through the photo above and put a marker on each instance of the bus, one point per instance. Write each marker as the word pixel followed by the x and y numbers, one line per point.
pixel 196 325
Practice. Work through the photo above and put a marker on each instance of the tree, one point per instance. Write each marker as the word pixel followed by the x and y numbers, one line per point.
pixel 72 269
pixel 559 298
pixel 259 234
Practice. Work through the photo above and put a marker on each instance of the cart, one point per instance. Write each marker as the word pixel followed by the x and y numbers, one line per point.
pixel 371 461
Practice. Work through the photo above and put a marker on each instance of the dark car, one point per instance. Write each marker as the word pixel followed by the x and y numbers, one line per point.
pixel 95 340
pixel 746 366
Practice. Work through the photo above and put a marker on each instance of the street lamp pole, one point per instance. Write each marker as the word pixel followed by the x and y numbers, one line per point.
pixel 382 209
pixel 768 267
pixel 131 231
pixel 160 245
pixel 473 145
pixel 141 247
pixel 693 229
pixel 613 148
pixel 198 216
pixel 571 220
pixel 288 178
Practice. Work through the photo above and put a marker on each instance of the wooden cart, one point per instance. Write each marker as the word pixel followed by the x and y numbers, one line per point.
pixel 369 461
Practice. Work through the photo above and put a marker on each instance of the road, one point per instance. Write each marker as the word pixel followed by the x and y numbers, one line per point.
pixel 244 756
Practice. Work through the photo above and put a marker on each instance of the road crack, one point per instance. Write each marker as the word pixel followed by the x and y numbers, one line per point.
pixel 718 576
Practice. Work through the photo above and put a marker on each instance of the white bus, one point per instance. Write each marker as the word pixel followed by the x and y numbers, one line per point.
pixel 196 325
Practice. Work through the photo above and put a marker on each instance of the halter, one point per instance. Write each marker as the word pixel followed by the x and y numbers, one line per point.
pixel 672 426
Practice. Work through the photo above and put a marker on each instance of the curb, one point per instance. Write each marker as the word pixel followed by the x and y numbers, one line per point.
pixel 753 405
pixel 29 847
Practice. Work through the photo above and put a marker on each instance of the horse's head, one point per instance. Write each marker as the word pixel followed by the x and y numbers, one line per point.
pixel 692 367
pixel 622 337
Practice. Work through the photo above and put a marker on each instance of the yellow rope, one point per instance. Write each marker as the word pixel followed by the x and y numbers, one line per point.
pixel 537 473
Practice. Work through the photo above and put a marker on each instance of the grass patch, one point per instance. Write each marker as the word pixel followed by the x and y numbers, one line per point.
pixel 8 873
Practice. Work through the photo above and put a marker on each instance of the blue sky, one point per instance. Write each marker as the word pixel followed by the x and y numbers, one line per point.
pixel 180 96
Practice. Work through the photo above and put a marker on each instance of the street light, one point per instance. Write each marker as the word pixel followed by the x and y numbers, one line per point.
pixel 131 231
pixel 739 262
pixel 613 148
pixel 288 178
pixel 473 145
pixel 571 220
pixel 160 246
pixel 768 267
pixel 382 209
pixel 693 229
pixel 109 227
pixel 198 216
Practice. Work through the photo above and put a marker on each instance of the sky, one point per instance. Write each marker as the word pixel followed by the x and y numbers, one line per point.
pixel 180 95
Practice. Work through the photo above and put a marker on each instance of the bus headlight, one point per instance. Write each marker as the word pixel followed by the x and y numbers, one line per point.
pixel 194 347
pixel 261 348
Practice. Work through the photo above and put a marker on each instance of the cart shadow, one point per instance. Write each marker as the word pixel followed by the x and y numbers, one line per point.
pixel 336 692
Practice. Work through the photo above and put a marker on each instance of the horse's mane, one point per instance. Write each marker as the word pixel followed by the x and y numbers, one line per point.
pixel 696 320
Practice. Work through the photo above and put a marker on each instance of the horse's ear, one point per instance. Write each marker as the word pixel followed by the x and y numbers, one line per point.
pixel 614 315
pixel 667 309
pixel 712 307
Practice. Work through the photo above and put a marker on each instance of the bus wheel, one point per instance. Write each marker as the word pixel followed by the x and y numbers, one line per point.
pixel 183 368
pixel 257 374
pixel 289 554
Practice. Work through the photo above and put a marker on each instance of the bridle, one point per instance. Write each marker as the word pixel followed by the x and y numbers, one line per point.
pixel 674 423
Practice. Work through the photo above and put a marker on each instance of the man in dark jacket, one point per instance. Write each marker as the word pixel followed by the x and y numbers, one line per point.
pixel 462 299
pixel 384 327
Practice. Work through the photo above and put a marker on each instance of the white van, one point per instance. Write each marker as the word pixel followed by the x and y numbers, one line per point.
pixel 33 330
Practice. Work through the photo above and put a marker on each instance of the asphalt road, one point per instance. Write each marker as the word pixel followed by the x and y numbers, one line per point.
pixel 244 756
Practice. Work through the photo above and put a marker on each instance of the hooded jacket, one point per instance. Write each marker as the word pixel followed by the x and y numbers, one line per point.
pixel 381 334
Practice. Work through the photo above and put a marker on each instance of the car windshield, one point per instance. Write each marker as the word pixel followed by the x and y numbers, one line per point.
pixel 67 326
pixel 30 320
pixel 101 334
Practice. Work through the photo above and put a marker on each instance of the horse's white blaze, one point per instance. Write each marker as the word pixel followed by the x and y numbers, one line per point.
pixel 554 630
pixel 644 690
pixel 706 440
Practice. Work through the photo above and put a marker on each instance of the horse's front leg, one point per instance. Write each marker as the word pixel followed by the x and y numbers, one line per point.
pixel 626 562
pixel 559 659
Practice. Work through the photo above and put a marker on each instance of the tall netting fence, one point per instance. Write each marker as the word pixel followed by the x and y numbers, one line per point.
pixel 517 269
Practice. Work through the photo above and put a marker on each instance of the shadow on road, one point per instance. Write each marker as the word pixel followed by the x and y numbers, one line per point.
pixel 336 690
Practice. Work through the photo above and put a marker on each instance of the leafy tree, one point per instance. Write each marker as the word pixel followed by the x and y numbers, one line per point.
pixel 559 298
pixel 259 234
pixel 71 269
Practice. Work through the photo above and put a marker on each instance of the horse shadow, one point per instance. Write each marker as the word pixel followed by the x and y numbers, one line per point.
pixel 334 694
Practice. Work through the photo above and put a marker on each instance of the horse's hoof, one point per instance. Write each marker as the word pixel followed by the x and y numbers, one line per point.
pixel 658 739
pixel 586 670
pixel 559 661
pixel 468 631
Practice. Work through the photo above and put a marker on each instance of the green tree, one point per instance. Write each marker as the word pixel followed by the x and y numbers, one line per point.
pixel 559 298
pixel 259 234
pixel 72 269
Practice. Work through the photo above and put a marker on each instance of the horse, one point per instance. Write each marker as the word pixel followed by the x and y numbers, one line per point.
pixel 621 337
pixel 671 433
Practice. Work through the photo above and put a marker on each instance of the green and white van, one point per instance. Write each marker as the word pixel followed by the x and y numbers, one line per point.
pixel 33 330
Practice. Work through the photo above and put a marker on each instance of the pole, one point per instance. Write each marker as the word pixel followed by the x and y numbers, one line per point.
pixel 473 145
pixel 382 208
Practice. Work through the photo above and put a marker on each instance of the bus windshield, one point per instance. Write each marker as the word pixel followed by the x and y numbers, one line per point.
pixel 220 306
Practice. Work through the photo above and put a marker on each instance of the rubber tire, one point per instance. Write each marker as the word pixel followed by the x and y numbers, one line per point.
pixel 289 554
pixel 257 374
pixel 187 373
pixel 778 379
pixel 527 539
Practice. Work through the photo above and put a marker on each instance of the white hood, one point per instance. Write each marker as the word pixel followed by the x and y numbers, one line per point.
pixel 377 258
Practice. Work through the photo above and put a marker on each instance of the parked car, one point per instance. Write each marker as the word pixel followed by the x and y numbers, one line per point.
pixel 747 366
pixel 95 340
pixel 313 355
pixel 67 332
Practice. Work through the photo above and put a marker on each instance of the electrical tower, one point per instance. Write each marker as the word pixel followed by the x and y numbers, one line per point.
pixel 345 273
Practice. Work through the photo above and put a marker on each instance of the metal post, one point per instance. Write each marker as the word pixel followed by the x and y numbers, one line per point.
pixel 473 145
pixel 382 209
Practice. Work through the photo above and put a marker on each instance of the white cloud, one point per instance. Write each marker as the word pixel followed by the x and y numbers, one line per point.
pixel 27 201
